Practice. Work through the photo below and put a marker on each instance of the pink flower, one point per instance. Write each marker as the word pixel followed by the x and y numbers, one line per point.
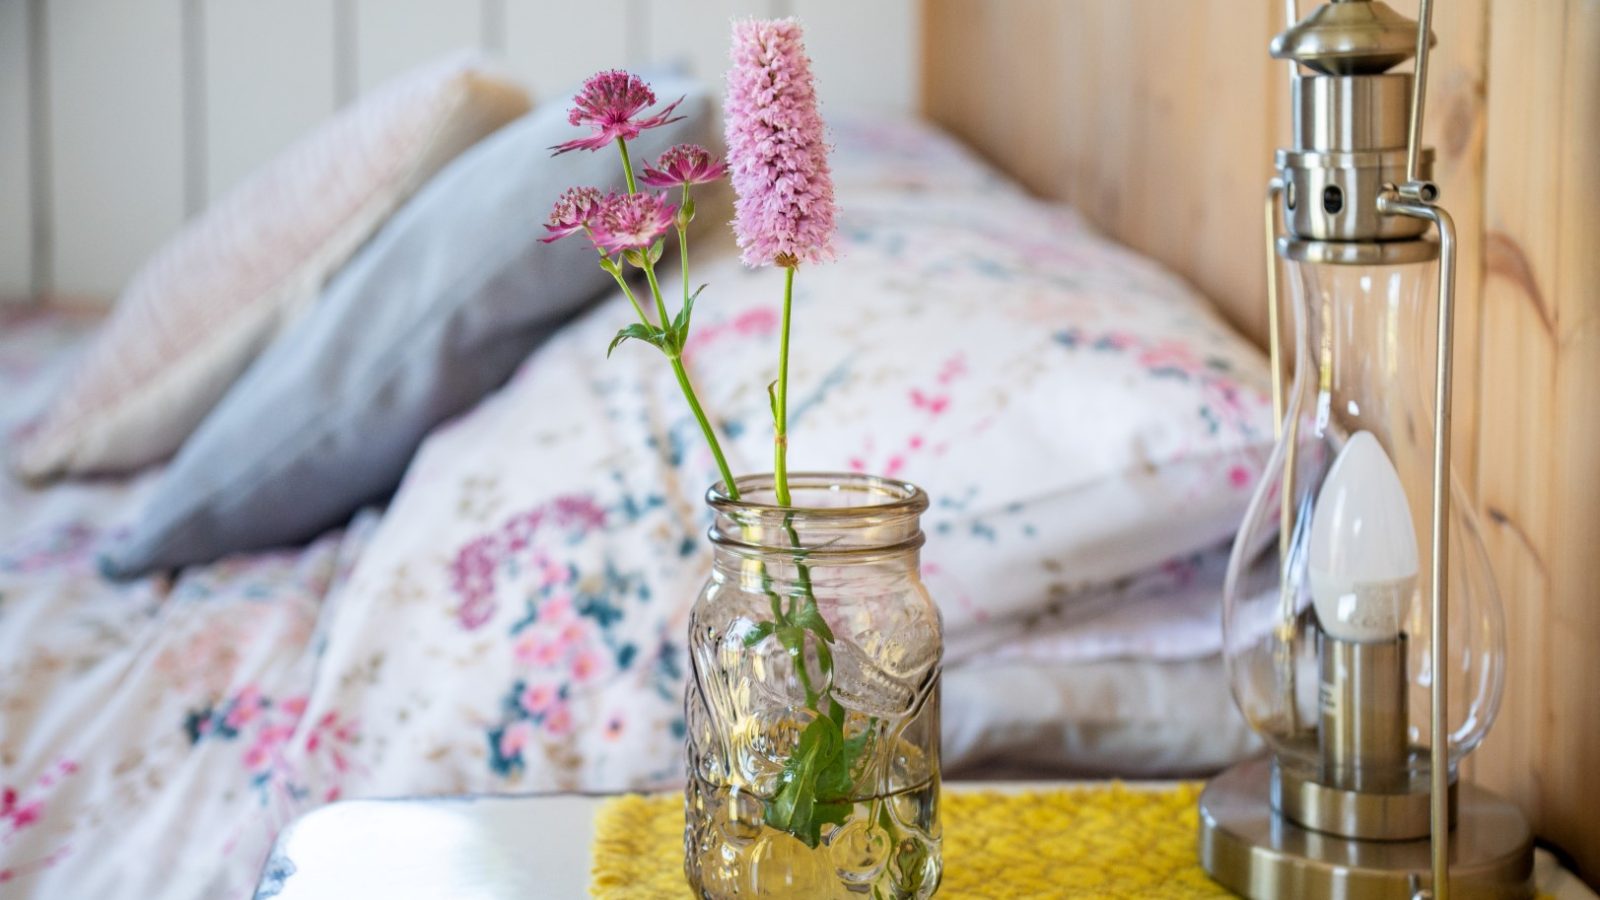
pixel 26 815
pixel 557 608
pixel 559 720
pixel 608 103
pixel 534 650
pixel 684 164
pixel 784 213
pixel 585 665
pixel 514 738
pixel 537 698
pixel 245 708
pixel 631 222
pixel 573 212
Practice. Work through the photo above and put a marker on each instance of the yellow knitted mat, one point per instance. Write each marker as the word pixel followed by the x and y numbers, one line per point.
pixel 1080 842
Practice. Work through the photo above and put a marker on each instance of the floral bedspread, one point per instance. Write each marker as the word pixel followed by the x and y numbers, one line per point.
pixel 146 728
pixel 155 735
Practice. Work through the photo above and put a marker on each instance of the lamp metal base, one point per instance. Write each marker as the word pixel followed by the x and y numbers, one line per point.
pixel 1251 849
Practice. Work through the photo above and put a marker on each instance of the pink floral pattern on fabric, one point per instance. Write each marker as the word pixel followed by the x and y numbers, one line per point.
pixel 516 622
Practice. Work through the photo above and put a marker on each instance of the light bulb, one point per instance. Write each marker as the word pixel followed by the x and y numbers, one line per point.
pixel 1363 548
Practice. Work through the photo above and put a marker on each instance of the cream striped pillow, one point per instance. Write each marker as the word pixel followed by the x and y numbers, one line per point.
pixel 201 309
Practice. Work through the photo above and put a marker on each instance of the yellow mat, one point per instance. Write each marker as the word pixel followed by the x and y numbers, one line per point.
pixel 1081 842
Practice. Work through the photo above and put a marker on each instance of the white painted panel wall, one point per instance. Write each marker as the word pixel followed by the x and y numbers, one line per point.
pixel 116 137
pixel 552 46
pixel 16 189
pixel 696 32
pixel 395 35
pixel 158 106
pixel 259 98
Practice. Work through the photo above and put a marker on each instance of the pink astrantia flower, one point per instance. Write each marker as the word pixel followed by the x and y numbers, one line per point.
pixel 631 221
pixel 608 103
pixel 684 164
pixel 779 161
pixel 573 212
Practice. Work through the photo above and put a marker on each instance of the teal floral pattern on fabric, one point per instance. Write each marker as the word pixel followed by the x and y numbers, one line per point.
pixel 517 619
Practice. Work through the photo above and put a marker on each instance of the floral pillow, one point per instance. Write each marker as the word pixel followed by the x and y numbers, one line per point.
pixel 1076 413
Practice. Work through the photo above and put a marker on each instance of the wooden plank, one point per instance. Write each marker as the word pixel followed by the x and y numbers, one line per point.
pixel 393 36
pixel 16 198
pixel 269 78
pixel 863 54
pixel 116 133
pixel 1571 713
pixel 1538 458
pixel 554 46
pixel 1151 118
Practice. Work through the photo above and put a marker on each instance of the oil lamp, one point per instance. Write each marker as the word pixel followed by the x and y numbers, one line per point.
pixel 1362 627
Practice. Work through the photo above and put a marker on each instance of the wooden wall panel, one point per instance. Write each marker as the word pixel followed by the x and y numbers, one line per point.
pixel 1540 460
pixel 1158 121
pixel 16 187
pixel 116 137
pixel 259 99
pixel 1151 117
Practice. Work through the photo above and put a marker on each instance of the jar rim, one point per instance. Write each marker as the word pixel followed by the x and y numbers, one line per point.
pixel 898 497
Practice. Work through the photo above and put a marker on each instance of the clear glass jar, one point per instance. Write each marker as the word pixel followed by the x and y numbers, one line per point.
pixel 813 702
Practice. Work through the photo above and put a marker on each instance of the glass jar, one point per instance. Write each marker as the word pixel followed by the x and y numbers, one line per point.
pixel 812 706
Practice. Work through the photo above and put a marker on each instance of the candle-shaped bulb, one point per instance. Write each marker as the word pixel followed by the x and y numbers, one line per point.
pixel 1363 548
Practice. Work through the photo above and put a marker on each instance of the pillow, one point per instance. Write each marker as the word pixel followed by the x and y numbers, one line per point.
pixel 207 302
pixel 436 311
pixel 1117 718
pixel 1076 414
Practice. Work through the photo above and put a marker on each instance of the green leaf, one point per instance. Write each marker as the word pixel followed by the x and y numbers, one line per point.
pixel 759 633
pixel 634 258
pixel 687 210
pixel 656 248
pixel 680 322
pixel 772 397
pixel 813 793
pixel 810 618
pixel 638 331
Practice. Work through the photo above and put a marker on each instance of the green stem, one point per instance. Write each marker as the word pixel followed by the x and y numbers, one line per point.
pixel 683 246
pixel 627 166
pixel 655 289
pixel 623 283
pixel 780 423
pixel 705 427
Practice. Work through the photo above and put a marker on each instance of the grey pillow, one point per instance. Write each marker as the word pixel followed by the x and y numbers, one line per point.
pixel 435 312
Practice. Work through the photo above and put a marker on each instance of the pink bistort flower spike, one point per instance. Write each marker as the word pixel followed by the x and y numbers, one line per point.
pixel 631 221
pixel 684 164
pixel 608 103
pixel 575 210
pixel 784 212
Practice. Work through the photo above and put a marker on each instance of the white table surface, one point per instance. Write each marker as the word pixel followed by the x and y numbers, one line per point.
pixel 505 847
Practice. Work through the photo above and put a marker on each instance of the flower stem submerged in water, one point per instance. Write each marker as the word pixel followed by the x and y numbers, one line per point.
pixel 886 846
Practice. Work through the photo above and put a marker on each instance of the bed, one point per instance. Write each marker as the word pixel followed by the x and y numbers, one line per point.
pixel 157 732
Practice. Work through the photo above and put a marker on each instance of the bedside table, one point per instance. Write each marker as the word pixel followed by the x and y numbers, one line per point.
pixel 514 847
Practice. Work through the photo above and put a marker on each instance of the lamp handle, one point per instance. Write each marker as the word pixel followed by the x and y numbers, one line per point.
pixel 1399 204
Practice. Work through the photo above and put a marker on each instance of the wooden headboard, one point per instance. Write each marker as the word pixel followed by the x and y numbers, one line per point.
pixel 1158 120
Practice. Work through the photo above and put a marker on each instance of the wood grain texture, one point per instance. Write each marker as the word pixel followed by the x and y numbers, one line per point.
pixel 1158 121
